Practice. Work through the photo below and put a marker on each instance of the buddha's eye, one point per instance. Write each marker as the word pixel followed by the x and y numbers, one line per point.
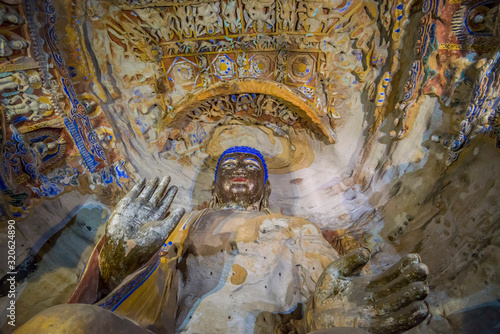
pixel 252 167
pixel 229 165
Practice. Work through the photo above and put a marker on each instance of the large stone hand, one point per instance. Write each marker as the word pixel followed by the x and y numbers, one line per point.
pixel 137 228
pixel 386 303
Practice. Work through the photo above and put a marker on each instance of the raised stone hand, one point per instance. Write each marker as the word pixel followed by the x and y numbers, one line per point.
pixel 139 225
pixel 386 303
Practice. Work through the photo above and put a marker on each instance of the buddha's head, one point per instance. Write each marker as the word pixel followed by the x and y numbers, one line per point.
pixel 241 179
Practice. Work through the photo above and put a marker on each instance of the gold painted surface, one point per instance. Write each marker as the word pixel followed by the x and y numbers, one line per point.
pixel 56 122
pixel 239 274
pixel 18 67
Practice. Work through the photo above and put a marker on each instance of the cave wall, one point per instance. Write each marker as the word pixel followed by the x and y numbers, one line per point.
pixel 379 121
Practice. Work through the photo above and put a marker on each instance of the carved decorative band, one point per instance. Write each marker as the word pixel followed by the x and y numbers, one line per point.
pixel 467 47
pixel 18 67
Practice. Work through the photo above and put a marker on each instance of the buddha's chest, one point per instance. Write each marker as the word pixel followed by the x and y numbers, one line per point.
pixel 219 231
pixel 239 268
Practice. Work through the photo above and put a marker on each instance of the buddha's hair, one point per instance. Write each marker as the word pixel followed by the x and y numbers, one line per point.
pixel 242 149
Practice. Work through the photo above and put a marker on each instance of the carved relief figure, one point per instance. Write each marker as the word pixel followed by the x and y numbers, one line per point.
pixel 311 17
pixel 204 70
pixel 19 81
pixel 242 62
pixel 281 65
pixel 184 22
pixel 7 48
pixel 286 15
pixel 259 15
pixel 160 23
pixel 235 267
pixel 209 21
pixel 9 16
pixel 232 16
pixel 24 104
pixel 42 149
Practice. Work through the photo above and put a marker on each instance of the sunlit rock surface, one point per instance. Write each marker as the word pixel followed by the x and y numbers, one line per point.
pixel 379 120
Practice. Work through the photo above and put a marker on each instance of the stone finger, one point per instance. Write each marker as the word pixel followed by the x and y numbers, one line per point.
pixel 159 192
pixel 136 189
pixel 173 219
pixel 402 320
pixel 167 201
pixel 409 294
pixel 334 275
pixel 395 271
pixel 416 272
pixel 351 262
pixel 148 190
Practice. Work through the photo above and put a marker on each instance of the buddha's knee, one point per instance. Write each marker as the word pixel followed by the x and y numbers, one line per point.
pixel 79 319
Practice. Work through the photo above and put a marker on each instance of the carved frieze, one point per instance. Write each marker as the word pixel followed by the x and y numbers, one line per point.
pixel 258 108
pixel 15 51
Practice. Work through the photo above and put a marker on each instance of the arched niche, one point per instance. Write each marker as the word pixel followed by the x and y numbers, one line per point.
pixel 310 116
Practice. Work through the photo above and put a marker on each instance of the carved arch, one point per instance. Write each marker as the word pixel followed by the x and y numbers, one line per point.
pixel 317 121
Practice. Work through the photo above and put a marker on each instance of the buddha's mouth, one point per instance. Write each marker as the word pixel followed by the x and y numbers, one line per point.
pixel 239 180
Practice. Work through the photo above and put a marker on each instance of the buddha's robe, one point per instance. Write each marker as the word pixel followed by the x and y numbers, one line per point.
pixel 222 271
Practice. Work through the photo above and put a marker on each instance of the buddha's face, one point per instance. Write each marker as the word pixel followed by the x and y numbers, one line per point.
pixel 240 179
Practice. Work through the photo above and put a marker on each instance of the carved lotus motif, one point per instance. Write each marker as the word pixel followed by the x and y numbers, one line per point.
pixel 183 71
pixel 261 66
pixel 301 68
pixel 224 67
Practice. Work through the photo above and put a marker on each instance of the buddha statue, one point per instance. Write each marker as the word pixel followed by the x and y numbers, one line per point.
pixel 234 267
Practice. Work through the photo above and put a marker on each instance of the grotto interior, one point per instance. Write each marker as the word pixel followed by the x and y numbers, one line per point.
pixel 379 122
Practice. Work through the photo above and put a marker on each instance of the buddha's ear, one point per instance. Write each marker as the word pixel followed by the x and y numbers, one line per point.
pixel 267 189
pixel 264 205
pixel 213 202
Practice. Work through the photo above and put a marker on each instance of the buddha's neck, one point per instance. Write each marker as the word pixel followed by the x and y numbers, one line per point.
pixel 239 207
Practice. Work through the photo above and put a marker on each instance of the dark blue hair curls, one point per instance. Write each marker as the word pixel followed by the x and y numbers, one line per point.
pixel 242 149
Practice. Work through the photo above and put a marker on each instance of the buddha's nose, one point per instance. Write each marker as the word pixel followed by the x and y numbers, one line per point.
pixel 241 170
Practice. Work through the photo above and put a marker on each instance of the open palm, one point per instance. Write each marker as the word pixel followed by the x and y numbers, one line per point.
pixel 137 228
